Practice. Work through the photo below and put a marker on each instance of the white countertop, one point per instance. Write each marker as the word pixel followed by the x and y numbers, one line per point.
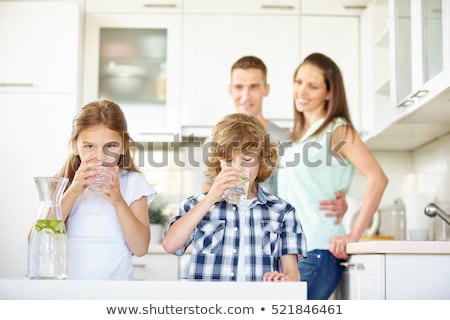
pixel 166 290
pixel 399 247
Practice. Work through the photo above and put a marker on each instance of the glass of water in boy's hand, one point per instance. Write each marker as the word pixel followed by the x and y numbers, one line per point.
pixel 239 193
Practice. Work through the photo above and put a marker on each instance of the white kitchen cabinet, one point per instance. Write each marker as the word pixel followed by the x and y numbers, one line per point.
pixel 36 132
pixel 217 33
pixel 39 52
pixel 376 110
pixel 323 33
pixel 396 270
pixel 156 266
pixel 363 278
pixel 39 46
pixel 132 55
pixel 418 28
pixel 411 107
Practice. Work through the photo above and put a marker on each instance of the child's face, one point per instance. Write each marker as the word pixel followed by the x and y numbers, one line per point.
pixel 98 142
pixel 250 161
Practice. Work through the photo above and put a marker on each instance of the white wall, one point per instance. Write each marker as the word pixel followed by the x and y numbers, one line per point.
pixel 431 162
pixel 434 159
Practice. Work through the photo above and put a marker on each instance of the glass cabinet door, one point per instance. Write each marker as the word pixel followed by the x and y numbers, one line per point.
pixel 432 38
pixel 132 66
pixel 135 60
pixel 403 49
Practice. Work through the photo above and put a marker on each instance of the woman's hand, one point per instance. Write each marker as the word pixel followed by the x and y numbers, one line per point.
pixel 274 276
pixel 338 245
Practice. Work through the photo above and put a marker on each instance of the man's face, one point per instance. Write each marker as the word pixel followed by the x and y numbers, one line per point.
pixel 248 89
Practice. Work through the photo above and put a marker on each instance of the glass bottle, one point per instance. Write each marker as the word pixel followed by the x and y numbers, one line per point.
pixel 47 246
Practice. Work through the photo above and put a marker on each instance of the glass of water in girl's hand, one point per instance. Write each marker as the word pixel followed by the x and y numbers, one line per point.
pixel 239 193
pixel 101 178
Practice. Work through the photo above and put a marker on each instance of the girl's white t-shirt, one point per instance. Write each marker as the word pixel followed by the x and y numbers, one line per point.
pixel 96 246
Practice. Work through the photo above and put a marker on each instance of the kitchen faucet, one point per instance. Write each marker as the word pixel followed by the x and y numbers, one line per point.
pixel 432 210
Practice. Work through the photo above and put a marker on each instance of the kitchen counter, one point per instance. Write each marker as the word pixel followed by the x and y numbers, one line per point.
pixel 399 247
pixel 156 248
pixel 165 290
pixel 395 270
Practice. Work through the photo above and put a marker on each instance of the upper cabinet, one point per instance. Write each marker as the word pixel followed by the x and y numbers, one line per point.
pixel 132 56
pixel 412 107
pixel 215 34
pixel 38 54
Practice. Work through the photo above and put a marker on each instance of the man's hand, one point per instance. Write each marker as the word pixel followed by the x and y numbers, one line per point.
pixel 336 207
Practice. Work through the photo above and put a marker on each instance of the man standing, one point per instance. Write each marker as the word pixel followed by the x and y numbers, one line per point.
pixel 248 88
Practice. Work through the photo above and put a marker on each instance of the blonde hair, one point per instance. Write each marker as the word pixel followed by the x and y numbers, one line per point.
pixel 246 133
pixel 104 112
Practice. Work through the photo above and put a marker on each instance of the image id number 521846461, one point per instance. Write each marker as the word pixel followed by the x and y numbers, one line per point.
pixel 306 309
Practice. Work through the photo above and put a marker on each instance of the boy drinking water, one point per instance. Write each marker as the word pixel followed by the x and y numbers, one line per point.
pixel 259 239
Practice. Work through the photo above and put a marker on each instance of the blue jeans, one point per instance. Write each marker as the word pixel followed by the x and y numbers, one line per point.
pixel 322 271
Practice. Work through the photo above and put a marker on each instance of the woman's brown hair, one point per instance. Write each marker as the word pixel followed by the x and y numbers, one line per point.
pixel 335 106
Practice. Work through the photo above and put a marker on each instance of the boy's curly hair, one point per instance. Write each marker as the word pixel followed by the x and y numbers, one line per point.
pixel 247 134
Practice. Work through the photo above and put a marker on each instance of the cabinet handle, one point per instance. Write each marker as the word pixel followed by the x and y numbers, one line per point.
pixel 419 94
pixel 358 265
pixel 159 5
pixel 277 6
pixel 24 84
pixel 139 265
pixel 405 103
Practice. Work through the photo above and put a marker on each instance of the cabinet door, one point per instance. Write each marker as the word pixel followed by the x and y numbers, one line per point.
pixel 406 277
pixel 363 278
pixel 39 46
pixel 36 131
pixel 156 266
pixel 324 34
pixel 212 43
pixel 134 59
pixel 421 40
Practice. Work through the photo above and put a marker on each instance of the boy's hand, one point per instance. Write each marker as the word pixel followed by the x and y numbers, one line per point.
pixel 274 276
pixel 227 178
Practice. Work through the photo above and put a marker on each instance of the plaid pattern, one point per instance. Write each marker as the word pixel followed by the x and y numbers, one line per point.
pixel 272 229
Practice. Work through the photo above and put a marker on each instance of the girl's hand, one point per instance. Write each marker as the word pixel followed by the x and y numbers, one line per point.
pixel 112 187
pixel 84 176
pixel 338 245
pixel 274 276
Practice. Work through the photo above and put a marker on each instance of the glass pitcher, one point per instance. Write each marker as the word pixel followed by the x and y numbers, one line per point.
pixel 47 246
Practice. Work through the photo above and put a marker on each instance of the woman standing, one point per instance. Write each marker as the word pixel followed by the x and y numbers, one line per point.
pixel 321 162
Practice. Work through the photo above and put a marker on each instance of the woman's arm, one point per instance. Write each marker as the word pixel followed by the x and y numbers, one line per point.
pixel 363 160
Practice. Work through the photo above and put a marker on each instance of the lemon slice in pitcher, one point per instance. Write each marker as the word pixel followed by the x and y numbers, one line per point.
pixel 50 226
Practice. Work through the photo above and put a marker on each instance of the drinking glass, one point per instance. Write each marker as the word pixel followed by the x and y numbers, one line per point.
pixel 239 193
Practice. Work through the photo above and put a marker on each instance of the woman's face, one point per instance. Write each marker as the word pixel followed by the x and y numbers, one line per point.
pixel 98 142
pixel 310 91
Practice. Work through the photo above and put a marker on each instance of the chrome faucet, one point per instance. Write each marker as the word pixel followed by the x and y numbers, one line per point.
pixel 433 210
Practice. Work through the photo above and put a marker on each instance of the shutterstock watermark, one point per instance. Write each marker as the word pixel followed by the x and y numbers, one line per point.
pixel 185 152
